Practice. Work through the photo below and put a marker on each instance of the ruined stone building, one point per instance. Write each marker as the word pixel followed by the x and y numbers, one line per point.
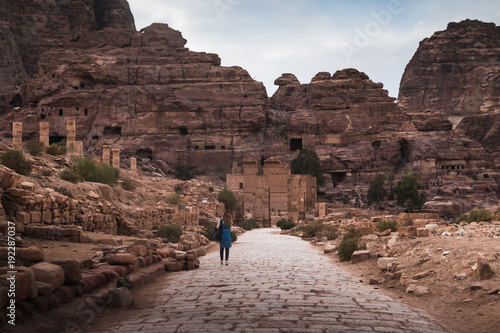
pixel 273 189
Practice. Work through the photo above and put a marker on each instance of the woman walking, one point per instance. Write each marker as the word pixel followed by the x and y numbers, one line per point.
pixel 225 242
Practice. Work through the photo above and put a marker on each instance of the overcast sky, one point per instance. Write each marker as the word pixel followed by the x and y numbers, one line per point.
pixel 304 37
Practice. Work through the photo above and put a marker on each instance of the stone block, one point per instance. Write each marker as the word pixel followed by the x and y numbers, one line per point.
pixel 36 217
pixel 120 259
pixel 484 271
pixel 432 227
pixel 120 298
pixel 49 273
pixel 384 262
pixel 44 289
pixel 8 178
pixel 39 231
pixel 174 266
pixel 72 270
pixel 139 250
pixel 360 256
pixel 31 253
pixel 46 216
pixel 407 231
pixel 330 248
pixel 107 241
pixel 29 186
pixel 23 217
pixel 423 232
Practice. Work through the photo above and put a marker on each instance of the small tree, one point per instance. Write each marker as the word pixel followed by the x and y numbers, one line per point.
pixel 15 160
pixel 377 191
pixel 228 198
pixel 408 194
pixel 308 163
pixel 183 172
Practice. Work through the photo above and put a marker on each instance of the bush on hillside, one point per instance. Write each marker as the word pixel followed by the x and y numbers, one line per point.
pixel 34 147
pixel 16 161
pixel 385 224
pixel 170 232
pixel 56 149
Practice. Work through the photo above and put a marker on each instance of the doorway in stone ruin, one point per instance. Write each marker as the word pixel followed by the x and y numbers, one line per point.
pixel 56 139
pixel 144 153
pixel 112 130
pixel 338 177
pixel 295 144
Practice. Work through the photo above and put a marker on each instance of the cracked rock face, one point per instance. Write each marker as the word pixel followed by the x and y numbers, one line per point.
pixel 455 72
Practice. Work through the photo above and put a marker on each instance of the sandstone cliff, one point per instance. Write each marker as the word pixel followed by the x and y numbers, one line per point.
pixel 455 71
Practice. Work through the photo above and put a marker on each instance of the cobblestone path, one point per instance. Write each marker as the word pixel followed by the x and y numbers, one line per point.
pixel 273 283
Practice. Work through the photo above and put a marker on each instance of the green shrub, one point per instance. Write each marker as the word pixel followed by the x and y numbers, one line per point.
pixel 476 215
pixel 249 224
pixel 408 192
pixel 178 188
pixel 123 282
pixel 171 232
pixel 312 229
pixel 128 184
pixel 233 236
pixel 183 172
pixel 377 191
pixel 15 160
pixel 34 147
pixel 56 149
pixel 210 188
pixel 228 198
pixel 329 231
pixel 70 176
pixel 346 248
pixel 91 172
pixel 350 244
pixel 173 199
pixel 285 225
pixel 308 163
pixel 385 224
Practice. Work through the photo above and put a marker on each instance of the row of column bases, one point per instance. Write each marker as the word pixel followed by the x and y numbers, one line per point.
pixel 73 147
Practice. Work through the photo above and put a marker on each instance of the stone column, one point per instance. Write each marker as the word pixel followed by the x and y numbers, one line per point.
pixel 133 165
pixel 116 158
pixel 17 135
pixel 44 133
pixel 70 135
pixel 78 148
pixel 106 154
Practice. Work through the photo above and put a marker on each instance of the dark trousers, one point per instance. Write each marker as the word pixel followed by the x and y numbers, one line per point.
pixel 222 253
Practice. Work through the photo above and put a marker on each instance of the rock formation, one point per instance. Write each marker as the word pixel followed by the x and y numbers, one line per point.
pixel 455 72
pixel 145 93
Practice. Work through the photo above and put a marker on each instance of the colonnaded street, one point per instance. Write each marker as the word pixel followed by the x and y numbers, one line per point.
pixel 273 283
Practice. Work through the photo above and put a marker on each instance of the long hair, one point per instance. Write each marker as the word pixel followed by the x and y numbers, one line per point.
pixel 228 219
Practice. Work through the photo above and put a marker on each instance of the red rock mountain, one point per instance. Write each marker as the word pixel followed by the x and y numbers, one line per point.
pixel 147 94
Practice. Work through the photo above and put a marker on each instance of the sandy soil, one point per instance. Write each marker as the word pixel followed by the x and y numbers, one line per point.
pixel 450 300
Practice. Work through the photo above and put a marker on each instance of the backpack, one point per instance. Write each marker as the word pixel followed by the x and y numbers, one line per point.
pixel 217 234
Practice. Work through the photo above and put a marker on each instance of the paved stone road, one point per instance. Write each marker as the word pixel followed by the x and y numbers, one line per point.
pixel 273 283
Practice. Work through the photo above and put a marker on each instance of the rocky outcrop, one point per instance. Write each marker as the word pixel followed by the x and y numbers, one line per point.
pixel 145 93
pixel 347 101
pixel 456 72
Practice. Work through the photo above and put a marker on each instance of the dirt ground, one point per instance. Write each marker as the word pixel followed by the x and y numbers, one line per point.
pixel 457 306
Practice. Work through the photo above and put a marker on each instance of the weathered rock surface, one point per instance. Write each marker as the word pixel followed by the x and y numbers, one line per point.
pixel 455 71
pixel 49 273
